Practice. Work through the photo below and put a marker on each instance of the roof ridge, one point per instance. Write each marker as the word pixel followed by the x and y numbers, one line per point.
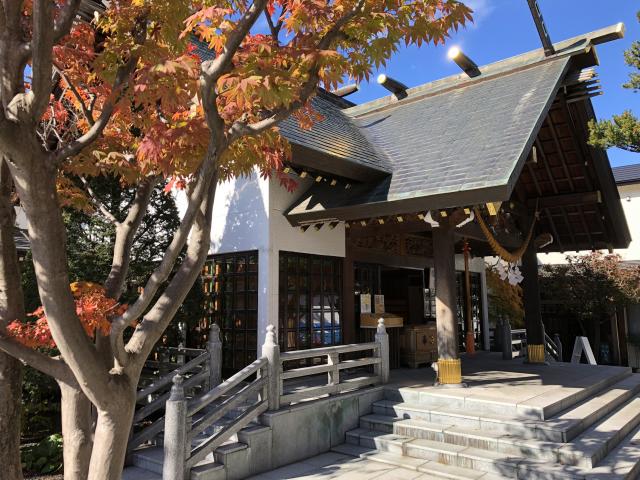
pixel 569 47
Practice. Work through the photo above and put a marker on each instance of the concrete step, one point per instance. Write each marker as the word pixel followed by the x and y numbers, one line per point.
pixel 623 463
pixel 592 446
pixel 521 427
pixel 486 440
pixel 412 450
pixel 208 470
pixel 150 458
pixel 409 453
pixel 552 402
pixel 434 469
pixel 135 473
pixel 580 417
pixel 561 428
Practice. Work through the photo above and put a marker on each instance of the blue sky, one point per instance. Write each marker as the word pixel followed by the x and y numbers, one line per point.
pixel 504 28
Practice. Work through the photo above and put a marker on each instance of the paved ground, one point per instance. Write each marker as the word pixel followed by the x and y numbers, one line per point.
pixel 336 466
pixel 491 379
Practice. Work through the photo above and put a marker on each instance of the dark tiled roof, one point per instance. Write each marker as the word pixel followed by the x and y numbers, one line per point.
pixel 627 174
pixel 336 135
pixel 470 139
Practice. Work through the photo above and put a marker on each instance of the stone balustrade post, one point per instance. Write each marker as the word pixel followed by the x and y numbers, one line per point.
pixel 271 350
pixel 507 352
pixel 382 338
pixel 175 433
pixel 558 342
pixel 214 347
pixel 180 358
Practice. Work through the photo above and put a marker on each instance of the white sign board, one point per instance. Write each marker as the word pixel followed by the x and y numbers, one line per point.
pixel 365 303
pixel 379 303
pixel 582 345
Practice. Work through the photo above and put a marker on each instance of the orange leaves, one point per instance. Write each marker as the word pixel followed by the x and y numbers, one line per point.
pixel 159 124
pixel 93 307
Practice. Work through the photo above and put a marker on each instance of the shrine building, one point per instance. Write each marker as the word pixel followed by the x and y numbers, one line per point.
pixel 400 199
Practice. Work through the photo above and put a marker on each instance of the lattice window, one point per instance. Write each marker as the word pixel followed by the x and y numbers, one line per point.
pixel 310 301
pixel 231 290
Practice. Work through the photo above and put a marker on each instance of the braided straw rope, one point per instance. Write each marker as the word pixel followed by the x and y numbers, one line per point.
pixel 503 253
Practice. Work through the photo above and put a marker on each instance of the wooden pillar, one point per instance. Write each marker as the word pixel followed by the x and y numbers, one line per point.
pixel 449 371
pixel 532 311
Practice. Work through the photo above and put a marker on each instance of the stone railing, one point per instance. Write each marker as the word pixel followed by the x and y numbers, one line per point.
pixel 254 390
pixel 378 357
pixel 200 374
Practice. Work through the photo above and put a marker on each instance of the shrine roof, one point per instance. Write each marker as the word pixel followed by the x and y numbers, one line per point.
pixel 627 174
pixel 458 141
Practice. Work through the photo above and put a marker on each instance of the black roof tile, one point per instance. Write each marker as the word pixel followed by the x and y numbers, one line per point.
pixel 627 174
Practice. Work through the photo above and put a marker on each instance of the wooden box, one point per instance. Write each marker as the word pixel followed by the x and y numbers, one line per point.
pixel 370 320
pixel 419 345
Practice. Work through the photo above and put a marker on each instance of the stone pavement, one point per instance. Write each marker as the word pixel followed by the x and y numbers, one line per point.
pixel 336 466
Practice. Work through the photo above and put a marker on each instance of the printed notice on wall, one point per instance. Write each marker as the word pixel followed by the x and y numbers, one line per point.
pixel 379 303
pixel 365 303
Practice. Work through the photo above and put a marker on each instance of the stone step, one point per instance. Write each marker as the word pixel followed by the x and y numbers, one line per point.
pixel 444 455
pixel 150 458
pixel 208 470
pixel 521 427
pixel 486 440
pixel 434 469
pixel 448 454
pixel 136 473
pixel 623 463
pixel 592 446
pixel 544 406
pixel 562 428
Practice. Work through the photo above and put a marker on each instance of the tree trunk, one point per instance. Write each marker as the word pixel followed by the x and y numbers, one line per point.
pixel 11 308
pixel 77 432
pixel 111 436
pixel 10 413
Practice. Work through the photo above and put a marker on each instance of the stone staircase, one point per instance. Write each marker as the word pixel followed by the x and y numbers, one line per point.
pixel 232 460
pixel 593 433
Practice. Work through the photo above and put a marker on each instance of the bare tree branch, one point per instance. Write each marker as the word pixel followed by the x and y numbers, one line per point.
pixel 274 27
pixel 87 112
pixel 156 320
pixel 102 121
pixel 54 367
pixel 125 235
pixel 98 204
pixel 36 186
pixel 240 128
pixel 42 57
pixel 204 178
pixel 219 65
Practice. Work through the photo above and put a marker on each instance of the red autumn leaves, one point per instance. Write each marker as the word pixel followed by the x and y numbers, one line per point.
pixel 93 307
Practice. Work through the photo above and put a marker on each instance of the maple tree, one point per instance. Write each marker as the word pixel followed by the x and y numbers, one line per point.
pixel 587 290
pixel 126 95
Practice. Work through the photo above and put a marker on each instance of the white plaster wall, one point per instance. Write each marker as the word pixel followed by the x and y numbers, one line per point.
pixel 249 215
pixel 284 237
pixel 241 223
pixel 325 241
pixel 630 199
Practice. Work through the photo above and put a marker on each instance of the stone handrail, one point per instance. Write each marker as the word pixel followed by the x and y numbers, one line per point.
pixel 379 358
pixel 202 373
pixel 257 388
